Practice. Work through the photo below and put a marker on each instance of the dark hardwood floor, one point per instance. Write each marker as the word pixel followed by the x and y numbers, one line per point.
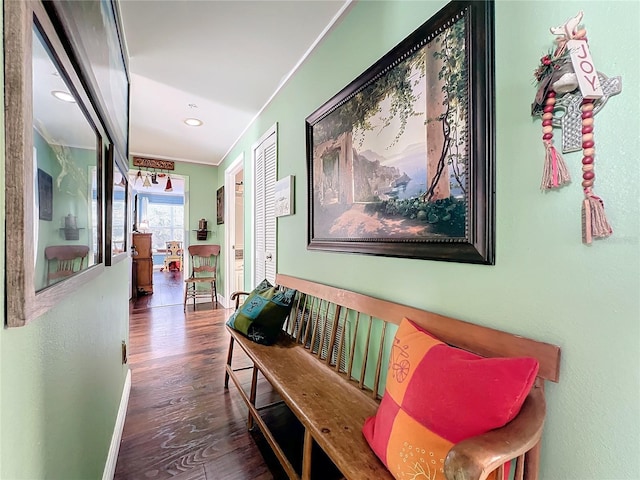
pixel 168 289
pixel 181 423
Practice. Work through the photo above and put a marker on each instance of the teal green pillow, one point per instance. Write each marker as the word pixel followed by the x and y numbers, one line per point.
pixel 262 315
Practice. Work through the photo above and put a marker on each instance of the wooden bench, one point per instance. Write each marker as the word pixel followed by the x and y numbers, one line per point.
pixel 329 370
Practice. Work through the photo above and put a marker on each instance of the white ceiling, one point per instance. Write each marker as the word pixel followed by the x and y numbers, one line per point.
pixel 226 57
pixel 59 123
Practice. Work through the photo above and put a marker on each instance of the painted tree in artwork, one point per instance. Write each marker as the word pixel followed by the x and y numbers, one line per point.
pixel 356 114
pixel 437 127
pixel 446 113
pixel 431 83
pixel 443 61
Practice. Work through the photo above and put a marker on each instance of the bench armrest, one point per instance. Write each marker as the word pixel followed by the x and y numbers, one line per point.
pixel 475 458
pixel 236 296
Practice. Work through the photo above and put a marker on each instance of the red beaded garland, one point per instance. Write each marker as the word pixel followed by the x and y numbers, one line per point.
pixel 588 145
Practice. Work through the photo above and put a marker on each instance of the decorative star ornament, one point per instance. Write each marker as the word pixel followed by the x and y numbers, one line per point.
pixel 571 121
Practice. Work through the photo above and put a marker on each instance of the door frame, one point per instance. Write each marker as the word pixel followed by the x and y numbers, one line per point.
pixel 230 231
pixel 273 130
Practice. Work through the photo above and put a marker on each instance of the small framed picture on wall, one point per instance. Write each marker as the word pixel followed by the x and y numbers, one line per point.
pixel 284 196
pixel 220 205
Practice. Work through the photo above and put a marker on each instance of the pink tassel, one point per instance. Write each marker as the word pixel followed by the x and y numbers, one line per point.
pixel 594 220
pixel 555 173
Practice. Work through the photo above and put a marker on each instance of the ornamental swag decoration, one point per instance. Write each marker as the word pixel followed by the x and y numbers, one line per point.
pixel 568 80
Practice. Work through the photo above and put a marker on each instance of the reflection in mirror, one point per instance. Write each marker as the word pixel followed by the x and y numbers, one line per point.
pixel 66 157
pixel 119 217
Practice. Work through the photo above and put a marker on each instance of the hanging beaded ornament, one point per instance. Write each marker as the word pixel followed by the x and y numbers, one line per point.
pixel 557 80
pixel 594 220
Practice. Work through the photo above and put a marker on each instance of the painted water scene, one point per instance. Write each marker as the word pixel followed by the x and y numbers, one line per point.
pixel 391 162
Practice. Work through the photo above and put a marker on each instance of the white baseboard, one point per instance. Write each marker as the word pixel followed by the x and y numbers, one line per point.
pixel 224 301
pixel 114 448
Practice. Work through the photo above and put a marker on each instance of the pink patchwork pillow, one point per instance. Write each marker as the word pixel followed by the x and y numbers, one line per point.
pixel 436 396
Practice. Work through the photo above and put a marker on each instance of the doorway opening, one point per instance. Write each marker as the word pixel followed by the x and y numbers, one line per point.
pixel 161 209
pixel 234 233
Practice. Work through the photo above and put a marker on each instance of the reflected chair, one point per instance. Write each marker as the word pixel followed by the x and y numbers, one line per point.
pixel 64 261
pixel 173 254
pixel 204 265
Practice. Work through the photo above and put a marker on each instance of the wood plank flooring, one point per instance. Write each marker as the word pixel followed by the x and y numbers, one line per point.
pixel 168 289
pixel 181 424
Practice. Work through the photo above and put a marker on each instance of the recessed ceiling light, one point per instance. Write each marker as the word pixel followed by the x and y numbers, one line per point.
pixel 64 96
pixel 193 122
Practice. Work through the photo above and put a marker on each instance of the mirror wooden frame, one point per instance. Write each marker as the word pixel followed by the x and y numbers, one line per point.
pixel 23 303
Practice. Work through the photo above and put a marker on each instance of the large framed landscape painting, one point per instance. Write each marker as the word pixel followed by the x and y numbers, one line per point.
pixel 401 161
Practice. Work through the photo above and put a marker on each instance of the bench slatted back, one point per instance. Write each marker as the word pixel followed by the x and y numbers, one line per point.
pixel 324 314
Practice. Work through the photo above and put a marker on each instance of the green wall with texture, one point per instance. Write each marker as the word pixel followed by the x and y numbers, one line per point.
pixel 546 284
pixel 61 377
pixel 201 198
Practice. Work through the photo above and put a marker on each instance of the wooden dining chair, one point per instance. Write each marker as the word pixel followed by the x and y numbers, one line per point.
pixel 173 256
pixel 64 261
pixel 204 266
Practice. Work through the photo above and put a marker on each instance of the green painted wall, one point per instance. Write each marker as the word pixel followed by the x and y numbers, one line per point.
pixel 61 378
pixel 545 284
pixel 201 203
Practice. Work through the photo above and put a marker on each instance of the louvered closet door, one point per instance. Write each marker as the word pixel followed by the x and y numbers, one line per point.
pixel 264 208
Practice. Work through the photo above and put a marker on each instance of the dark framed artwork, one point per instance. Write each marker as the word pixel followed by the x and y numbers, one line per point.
pixel 401 161
pixel 45 196
pixel 220 206
pixel 94 31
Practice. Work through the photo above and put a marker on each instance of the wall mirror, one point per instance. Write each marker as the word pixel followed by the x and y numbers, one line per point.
pixel 54 176
pixel 116 211
pixel 66 150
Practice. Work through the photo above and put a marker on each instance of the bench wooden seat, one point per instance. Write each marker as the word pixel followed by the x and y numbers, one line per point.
pixel 327 368
pixel 312 390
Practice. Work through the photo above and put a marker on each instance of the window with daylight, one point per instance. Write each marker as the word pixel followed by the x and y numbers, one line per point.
pixel 165 217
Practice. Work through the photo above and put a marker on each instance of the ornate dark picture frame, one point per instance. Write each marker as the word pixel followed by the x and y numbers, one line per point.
pixel 220 206
pixel 401 161
pixel 45 196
